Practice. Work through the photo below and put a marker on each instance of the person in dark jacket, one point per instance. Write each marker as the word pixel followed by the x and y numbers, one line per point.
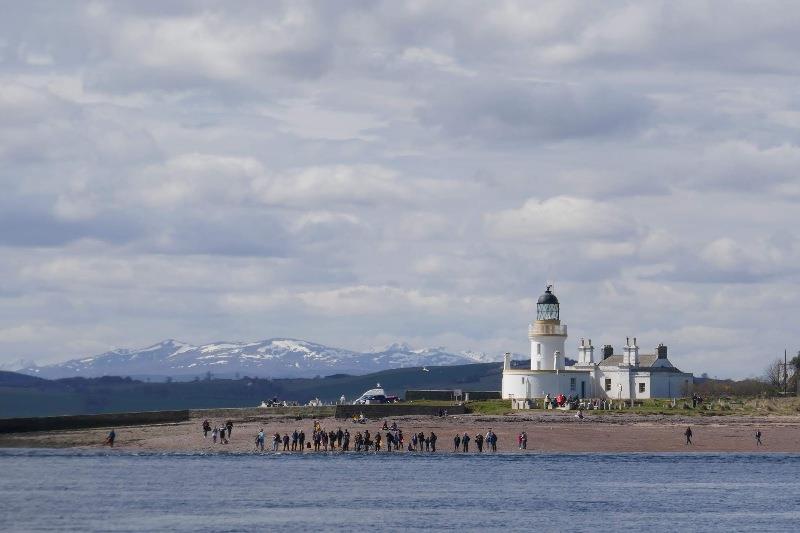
pixel 465 442
pixel 479 442
pixel 432 440
pixel 456 442
pixel 688 435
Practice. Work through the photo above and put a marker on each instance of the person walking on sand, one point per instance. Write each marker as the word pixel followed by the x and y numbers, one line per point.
pixel 688 435
pixel 491 440
pixel 465 442
pixel 456 442
pixel 758 438
pixel 110 439
pixel 206 428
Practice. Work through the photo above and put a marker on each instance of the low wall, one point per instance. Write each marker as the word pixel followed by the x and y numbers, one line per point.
pixel 447 395
pixel 254 413
pixel 396 409
pixel 51 423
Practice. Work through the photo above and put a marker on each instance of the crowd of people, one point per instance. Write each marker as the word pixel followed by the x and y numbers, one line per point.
pixel 222 432
pixel 461 442
pixel 388 438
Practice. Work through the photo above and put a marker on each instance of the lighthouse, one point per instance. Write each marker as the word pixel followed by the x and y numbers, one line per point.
pixel 547 334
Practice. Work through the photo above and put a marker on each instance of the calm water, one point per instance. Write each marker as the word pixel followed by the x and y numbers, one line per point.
pixel 66 490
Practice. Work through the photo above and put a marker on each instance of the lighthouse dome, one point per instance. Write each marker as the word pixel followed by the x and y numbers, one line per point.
pixel 548 297
pixel 547 307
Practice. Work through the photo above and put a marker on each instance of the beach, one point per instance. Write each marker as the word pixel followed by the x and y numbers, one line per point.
pixel 547 432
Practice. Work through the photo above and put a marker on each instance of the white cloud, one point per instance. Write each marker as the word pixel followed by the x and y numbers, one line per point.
pixel 338 184
pixel 202 172
pixel 562 217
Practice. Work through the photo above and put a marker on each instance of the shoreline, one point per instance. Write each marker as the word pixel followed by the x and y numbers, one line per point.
pixel 547 433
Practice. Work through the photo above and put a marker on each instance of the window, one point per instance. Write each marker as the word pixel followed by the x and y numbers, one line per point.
pixel 641 387
pixel 571 383
pixel 608 383
pixel 538 349
pixel 523 381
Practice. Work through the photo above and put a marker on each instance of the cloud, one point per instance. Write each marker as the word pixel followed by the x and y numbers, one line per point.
pixel 338 184
pixel 562 217
pixel 399 171
pixel 525 112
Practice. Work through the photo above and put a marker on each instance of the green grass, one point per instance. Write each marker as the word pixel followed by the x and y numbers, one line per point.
pixel 683 407
pixel 490 407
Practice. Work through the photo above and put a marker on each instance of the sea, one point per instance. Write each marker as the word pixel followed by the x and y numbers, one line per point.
pixel 86 490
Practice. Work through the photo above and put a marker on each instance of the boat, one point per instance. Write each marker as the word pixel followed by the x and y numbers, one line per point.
pixel 372 396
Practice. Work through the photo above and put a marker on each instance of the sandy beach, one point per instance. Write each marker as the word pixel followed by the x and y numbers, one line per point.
pixel 547 432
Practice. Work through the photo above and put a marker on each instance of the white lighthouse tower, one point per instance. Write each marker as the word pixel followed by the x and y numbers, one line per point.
pixel 547 334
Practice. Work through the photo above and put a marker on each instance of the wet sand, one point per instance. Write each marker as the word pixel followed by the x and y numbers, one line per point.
pixel 547 432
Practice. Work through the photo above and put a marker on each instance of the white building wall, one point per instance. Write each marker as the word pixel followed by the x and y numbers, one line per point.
pixel 671 384
pixel 542 349
pixel 537 384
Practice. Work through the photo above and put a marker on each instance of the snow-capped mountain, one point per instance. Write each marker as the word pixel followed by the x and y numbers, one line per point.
pixel 272 358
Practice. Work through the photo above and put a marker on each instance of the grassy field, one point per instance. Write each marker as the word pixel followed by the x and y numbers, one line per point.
pixel 711 407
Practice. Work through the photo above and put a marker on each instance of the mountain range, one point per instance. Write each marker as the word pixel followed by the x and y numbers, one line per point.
pixel 275 358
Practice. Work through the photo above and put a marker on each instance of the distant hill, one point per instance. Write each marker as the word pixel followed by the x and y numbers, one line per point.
pixel 22 395
pixel 275 358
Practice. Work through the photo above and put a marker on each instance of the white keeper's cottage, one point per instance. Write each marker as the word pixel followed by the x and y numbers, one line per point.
pixel 630 375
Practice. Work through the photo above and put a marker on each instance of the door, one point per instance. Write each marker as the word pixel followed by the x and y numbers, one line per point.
pixel 583 389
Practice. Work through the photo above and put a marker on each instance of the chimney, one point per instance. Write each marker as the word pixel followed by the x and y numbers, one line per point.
pixel 608 351
pixel 661 351
pixel 507 361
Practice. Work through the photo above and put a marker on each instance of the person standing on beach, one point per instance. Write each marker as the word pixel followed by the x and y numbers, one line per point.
pixel 432 440
pixel 222 438
pixel 229 426
pixel 260 439
pixel 523 441
pixel 758 438
pixel 688 435
pixel 346 441
pixel 301 439
pixel 421 440
pixel 339 437
pixel 465 442
pixel 286 442
pixel 206 428
pixel 276 441
pixel 295 439
pixel 491 440
pixel 110 439
pixel 215 434
pixel 456 442
pixel 479 442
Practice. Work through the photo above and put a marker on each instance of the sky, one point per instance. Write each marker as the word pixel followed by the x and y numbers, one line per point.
pixel 361 173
